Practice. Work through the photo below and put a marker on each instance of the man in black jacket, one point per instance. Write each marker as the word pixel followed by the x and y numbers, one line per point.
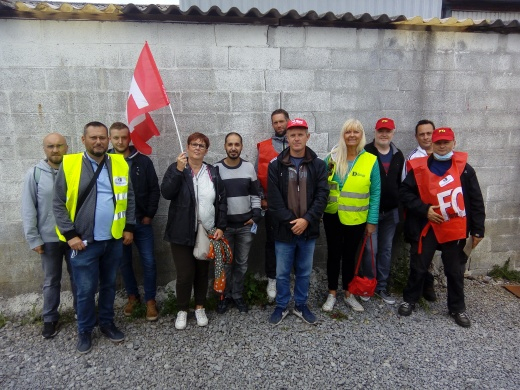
pixel 444 205
pixel 391 161
pixel 297 193
pixel 147 194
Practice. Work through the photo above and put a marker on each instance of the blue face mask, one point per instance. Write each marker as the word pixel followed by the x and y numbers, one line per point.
pixel 446 157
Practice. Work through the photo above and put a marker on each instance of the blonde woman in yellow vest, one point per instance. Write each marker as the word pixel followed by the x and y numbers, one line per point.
pixel 352 209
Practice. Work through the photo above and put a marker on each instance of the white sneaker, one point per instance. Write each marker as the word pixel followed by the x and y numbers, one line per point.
pixel 180 322
pixel 200 314
pixel 271 289
pixel 353 303
pixel 364 298
pixel 329 303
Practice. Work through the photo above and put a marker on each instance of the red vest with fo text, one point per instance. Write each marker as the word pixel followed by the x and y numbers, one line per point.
pixel 266 153
pixel 445 191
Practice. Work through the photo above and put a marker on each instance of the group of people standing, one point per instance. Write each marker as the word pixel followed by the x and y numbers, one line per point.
pixel 88 208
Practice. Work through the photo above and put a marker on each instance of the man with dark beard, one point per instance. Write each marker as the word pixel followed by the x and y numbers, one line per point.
pixel 243 214
pixel 94 209
pixel 268 150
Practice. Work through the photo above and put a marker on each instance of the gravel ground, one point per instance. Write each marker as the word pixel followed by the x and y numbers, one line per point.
pixel 374 349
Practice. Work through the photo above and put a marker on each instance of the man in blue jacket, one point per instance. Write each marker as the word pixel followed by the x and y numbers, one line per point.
pixel 147 194
pixel 298 192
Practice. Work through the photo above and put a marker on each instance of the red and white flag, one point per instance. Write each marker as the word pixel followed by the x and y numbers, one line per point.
pixel 147 93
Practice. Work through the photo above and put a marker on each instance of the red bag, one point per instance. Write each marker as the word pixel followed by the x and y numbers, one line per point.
pixel 363 286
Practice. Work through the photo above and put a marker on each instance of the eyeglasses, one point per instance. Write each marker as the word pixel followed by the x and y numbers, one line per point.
pixel 198 146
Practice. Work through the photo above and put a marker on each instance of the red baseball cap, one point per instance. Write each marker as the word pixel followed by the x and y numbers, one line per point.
pixel 297 122
pixel 385 123
pixel 443 133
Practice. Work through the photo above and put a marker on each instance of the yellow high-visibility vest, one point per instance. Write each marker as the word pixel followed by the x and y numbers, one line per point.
pixel 351 203
pixel 72 164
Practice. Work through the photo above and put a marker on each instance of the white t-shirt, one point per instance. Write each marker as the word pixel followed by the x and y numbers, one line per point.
pixel 205 195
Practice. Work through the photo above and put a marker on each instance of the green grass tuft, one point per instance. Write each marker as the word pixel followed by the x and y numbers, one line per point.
pixel 505 273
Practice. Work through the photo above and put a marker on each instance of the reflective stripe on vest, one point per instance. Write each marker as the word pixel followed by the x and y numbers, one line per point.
pixel 445 191
pixel 72 165
pixel 352 202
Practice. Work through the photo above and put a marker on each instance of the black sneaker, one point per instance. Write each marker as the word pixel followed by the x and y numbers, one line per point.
pixel 84 342
pixel 278 315
pixel 405 308
pixel 50 329
pixel 241 305
pixel 429 292
pixel 305 314
pixel 113 334
pixel 461 319
pixel 223 305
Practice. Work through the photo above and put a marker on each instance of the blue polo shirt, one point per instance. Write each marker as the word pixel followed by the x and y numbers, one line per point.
pixel 104 203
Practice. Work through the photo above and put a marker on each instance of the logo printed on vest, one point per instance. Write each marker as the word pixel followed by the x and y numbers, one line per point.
pixel 120 181
pixel 357 174
pixel 453 204
pixel 447 180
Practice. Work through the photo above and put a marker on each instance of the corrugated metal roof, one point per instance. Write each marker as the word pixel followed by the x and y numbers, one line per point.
pixel 131 12
pixel 408 8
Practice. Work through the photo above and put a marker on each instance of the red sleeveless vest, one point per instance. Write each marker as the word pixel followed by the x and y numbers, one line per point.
pixel 266 153
pixel 445 191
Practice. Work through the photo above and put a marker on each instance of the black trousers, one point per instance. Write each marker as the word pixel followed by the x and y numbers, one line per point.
pixel 343 242
pixel 270 255
pixel 190 273
pixel 453 259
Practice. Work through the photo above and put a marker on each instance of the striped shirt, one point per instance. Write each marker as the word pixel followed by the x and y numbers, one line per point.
pixel 242 194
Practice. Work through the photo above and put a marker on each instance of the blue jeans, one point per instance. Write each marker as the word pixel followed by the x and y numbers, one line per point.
pixel 240 240
pixel 382 240
pixel 98 262
pixel 298 253
pixel 52 264
pixel 144 240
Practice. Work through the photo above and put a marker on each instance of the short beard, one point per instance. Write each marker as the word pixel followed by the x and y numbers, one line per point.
pixel 233 158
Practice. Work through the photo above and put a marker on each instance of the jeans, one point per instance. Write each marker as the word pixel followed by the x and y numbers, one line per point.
pixel 270 255
pixel 298 253
pixel 98 262
pixel 52 263
pixel 144 240
pixel 453 259
pixel 382 240
pixel 240 240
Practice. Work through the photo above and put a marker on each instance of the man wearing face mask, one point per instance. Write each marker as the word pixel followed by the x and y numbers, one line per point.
pixel 445 205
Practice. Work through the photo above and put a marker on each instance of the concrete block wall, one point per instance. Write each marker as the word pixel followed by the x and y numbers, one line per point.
pixel 59 75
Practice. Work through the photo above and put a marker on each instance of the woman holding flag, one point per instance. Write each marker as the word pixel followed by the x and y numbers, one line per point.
pixel 196 192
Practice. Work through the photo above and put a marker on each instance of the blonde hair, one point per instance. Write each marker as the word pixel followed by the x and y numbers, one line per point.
pixel 339 152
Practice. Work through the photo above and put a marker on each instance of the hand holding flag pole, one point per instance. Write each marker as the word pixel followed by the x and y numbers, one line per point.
pixel 147 93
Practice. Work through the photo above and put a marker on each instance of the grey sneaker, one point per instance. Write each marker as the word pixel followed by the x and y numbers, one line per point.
pixel 387 298
pixel 353 303
pixel 329 303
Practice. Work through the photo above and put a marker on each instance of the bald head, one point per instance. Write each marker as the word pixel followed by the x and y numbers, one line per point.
pixel 55 146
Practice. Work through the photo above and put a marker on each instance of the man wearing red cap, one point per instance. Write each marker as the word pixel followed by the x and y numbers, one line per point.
pixel 267 150
pixel 298 193
pixel 390 160
pixel 444 202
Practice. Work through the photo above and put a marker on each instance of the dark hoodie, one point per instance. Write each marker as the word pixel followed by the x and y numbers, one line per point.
pixel 145 183
pixel 282 199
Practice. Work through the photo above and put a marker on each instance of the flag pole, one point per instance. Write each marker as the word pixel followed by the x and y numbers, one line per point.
pixel 176 128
